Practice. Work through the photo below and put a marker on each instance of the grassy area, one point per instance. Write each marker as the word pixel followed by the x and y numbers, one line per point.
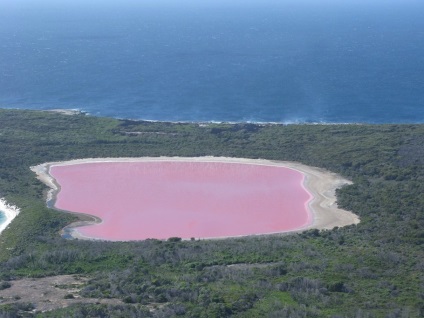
pixel 374 269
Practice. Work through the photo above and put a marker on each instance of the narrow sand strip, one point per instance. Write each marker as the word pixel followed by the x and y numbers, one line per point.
pixel 319 182
pixel 10 212
pixel 322 184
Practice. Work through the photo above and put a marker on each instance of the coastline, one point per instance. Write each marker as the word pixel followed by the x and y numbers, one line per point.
pixel 10 211
pixel 319 183
pixel 205 123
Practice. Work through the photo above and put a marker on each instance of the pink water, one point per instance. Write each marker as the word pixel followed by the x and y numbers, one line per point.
pixel 140 200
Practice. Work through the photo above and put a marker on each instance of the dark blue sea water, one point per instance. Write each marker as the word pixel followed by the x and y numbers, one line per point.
pixel 261 61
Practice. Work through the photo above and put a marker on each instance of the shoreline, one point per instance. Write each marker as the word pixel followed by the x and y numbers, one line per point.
pixel 319 183
pixel 10 212
pixel 200 122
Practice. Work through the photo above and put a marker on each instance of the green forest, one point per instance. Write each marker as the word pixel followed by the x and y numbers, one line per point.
pixel 373 269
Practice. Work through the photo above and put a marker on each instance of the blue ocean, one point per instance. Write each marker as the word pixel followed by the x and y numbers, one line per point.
pixel 285 61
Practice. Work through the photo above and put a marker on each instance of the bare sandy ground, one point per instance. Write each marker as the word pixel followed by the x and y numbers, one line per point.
pixel 69 112
pixel 50 293
pixel 321 183
pixel 10 212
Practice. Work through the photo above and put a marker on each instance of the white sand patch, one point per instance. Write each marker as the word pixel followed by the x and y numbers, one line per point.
pixel 43 174
pixel 69 112
pixel 10 212
pixel 320 183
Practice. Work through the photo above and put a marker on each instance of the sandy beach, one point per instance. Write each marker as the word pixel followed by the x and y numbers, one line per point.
pixel 10 212
pixel 321 184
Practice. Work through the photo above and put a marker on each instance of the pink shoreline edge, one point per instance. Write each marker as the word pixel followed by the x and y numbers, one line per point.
pixel 335 217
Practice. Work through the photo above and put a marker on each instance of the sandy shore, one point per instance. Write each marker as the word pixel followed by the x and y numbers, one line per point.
pixel 319 182
pixel 10 212
pixel 69 112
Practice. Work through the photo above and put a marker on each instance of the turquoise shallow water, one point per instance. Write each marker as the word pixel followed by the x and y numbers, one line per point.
pixel 2 217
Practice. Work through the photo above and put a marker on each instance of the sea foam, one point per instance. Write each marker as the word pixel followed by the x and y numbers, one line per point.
pixel 9 211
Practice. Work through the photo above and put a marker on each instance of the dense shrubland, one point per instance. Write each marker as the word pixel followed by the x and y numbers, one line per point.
pixel 374 269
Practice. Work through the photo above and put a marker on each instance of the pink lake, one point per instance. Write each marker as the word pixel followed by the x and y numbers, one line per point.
pixel 140 200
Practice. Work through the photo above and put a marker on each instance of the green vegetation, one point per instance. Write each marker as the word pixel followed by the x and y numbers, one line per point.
pixel 374 269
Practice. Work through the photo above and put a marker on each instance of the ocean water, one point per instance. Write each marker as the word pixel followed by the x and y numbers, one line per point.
pixel 258 61
pixel 2 217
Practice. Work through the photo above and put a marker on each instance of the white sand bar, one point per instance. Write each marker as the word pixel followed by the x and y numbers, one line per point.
pixel 10 212
pixel 321 183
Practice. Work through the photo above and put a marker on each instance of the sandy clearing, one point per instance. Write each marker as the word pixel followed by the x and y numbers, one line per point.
pixel 50 293
pixel 68 112
pixel 321 183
